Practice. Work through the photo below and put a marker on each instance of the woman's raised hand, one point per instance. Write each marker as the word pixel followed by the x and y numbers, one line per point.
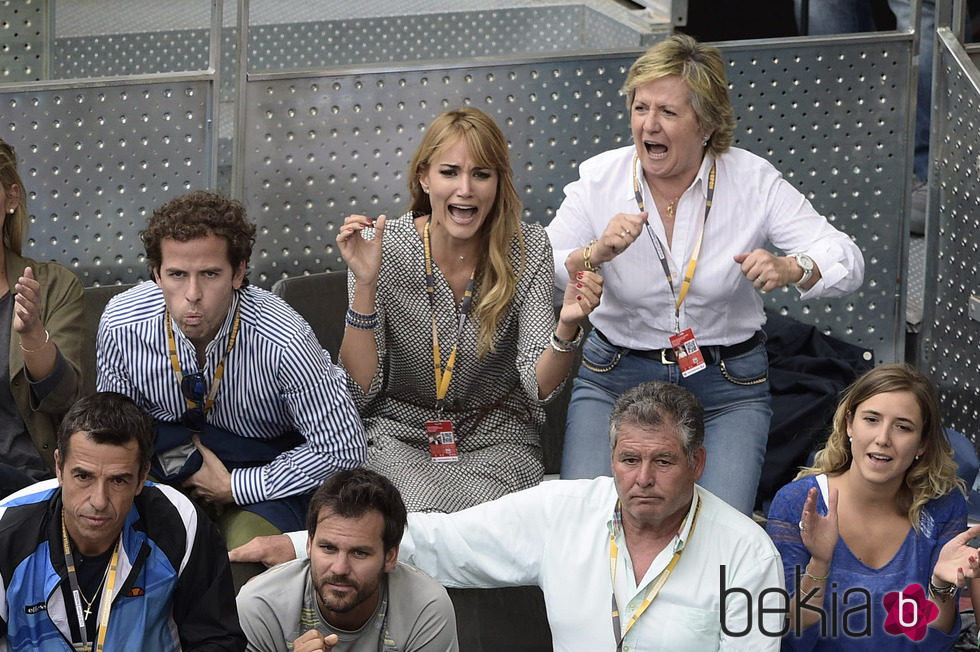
pixel 957 560
pixel 27 311
pixel 820 533
pixel 622 231
pixel 359 242
pixel 582 294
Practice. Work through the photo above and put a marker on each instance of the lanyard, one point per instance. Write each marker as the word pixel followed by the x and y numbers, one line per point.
pixel 659 247
pixel 443 377
pixel 110 583
pixel 218 373
pixel 655 586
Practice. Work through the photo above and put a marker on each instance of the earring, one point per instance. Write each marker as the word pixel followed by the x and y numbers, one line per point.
pixel 11 211
pixel 916 458
pixel 704 142
pixel 425 190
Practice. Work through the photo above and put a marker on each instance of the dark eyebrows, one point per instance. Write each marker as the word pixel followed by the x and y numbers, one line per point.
pixel 118 476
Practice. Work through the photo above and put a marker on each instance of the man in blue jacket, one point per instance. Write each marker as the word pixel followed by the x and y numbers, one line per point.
pixel 100 559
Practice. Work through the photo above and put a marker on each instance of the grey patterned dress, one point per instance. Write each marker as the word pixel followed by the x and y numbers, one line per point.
pixel 492 402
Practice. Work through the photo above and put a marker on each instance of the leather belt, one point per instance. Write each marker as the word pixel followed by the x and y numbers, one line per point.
pixel 712 354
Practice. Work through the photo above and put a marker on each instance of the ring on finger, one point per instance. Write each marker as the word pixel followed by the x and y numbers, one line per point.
pixel 622 234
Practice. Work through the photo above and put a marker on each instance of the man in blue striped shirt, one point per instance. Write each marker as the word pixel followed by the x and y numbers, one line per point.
pixel 250 411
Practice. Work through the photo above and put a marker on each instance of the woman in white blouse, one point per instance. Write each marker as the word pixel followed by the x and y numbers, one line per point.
pixel 678 224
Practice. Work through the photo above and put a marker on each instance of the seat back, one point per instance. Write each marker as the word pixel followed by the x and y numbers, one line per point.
pixel 320 299
pixel 95 299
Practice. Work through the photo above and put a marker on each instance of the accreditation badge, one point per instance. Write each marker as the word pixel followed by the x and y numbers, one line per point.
pixel 688 353
pixel 442 441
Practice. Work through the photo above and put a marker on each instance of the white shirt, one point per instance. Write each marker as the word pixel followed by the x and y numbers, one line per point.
pixel 753 207
pixel 556 536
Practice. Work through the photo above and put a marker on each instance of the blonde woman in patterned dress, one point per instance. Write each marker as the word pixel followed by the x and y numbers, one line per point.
pixel 451 344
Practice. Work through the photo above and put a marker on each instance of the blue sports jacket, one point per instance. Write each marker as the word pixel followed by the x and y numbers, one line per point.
pixel 174 588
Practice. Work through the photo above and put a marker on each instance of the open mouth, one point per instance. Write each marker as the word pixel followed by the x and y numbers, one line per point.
pixel 462 214
pixel 877 457
pixel 656 150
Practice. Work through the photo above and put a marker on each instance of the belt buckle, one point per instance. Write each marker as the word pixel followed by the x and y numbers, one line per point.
pixel 664 359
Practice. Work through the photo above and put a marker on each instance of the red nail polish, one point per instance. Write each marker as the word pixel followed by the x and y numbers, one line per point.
pixel 578 285
pixel 580 275
pixel 578 297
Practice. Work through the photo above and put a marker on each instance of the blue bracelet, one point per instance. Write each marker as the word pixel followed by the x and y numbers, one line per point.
pixel 361 321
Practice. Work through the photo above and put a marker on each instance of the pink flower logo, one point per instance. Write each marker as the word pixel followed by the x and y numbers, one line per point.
pixel 909 612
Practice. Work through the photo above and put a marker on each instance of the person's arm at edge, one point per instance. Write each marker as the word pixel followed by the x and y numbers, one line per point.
pixel 204 601
pixel 62 308
pixel 324 414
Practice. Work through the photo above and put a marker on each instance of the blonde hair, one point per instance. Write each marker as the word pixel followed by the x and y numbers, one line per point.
pixel 15 225
pixel 702 69
pixel 488 147
pixel 933 474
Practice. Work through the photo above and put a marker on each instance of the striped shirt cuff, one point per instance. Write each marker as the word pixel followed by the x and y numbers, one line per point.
pixel 247 485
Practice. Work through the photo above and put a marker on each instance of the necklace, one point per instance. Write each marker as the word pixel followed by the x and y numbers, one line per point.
pixel 90 603
pixel 672 208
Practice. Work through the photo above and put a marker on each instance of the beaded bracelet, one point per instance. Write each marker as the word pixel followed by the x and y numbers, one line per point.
pixel 47 338
pixel 587 257
pixel 361 321
pixel 566 346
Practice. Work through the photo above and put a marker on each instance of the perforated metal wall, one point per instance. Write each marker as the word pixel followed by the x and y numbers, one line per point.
pixel 831 114
pixel 950 347
pixel 319 148
pixel 105 55
pixel 23 32
pixel 461 35
pixel 832 117
pixel 97 161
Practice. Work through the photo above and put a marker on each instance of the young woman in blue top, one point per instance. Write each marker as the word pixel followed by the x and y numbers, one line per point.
pixel 880 511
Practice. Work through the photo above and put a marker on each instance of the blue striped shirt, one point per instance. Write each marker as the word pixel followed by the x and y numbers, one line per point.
pixel 277 378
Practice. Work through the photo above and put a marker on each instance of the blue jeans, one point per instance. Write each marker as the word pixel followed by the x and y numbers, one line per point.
pixel 736 414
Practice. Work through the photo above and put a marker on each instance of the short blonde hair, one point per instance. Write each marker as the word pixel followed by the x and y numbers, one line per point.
pixel 933 474
pixel 702 68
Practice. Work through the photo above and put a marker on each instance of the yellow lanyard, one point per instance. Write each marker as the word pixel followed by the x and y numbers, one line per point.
pixel 659 247
pixel 655 586
pixel 443 378
pixel 110 584
pixel 218 373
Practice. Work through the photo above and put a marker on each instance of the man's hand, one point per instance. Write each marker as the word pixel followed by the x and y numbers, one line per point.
pixel 312 641
pixel 269 550
pixel 212 482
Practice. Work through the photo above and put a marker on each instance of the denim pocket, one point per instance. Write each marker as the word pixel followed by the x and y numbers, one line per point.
pixel 750 368
pixel 598 356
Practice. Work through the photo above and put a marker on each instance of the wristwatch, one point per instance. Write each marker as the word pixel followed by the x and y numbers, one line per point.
pixel 806 264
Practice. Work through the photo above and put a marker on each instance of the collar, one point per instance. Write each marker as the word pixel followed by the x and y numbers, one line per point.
pixel 615 524
pixel 699 185
pixel 224 332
